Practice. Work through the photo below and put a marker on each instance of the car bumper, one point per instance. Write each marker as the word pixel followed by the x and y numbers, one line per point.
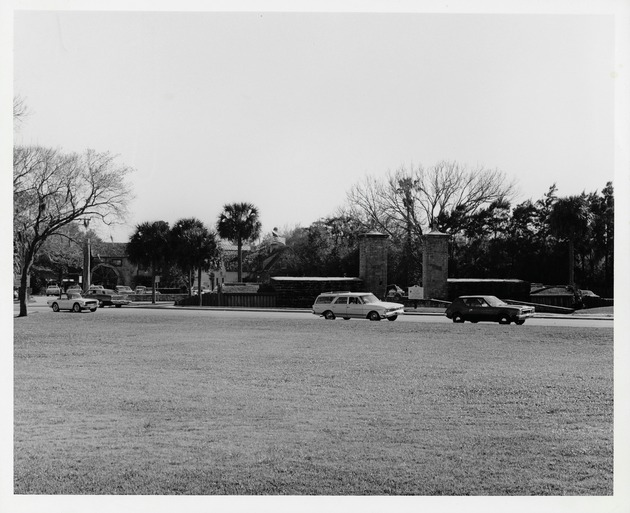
pixel 392 313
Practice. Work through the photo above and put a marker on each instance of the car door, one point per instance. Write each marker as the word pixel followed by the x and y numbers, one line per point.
pixel 474 309
pixel 469 310
pixel 64 302
pixel 485 311
pixel 340 306
pixel 356 308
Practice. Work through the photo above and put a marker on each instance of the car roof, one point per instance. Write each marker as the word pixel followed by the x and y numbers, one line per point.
pixel 344 293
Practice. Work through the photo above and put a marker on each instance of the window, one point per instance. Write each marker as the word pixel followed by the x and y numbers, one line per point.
pixel 342 300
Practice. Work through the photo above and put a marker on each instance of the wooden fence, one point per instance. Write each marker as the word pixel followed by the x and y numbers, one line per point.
pixel 233 299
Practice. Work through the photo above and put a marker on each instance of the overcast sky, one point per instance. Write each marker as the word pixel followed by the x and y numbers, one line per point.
pixel 289 110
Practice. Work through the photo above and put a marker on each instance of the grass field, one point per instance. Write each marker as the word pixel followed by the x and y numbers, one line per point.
pixel 165 403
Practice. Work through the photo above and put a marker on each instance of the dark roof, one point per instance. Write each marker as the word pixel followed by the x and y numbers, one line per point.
pixel 313 278
pixel 484 280
pixel 552 291
pixel 109 249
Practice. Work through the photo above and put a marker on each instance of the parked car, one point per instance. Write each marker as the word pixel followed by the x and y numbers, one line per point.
pixel 96 287
pixel 487 308
pixel 73 288
pixel 362 305
pixel 108 297
pixel 53 290
pixel 124 289
pixel 141 289
pixel 73 301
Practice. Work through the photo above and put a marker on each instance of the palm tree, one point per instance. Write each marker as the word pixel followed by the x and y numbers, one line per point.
pixel 569 220
pixel 194 247
pixel 149 246
pixel 239 222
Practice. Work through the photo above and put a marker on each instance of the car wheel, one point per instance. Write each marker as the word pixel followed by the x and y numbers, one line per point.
pixel 520 323
pixel 374 316
pixel 329 315
pixel 346 318
pixel 55 307
pixel 392 318
pixel 474 322
pixel 457 317
pixel 92 310
pixel 76 307
pixel 504 319
pixel 118 306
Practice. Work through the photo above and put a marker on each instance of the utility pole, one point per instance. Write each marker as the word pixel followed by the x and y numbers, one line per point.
pixel 86 257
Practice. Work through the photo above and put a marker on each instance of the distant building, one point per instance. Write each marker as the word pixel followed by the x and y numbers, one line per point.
pixel 111 266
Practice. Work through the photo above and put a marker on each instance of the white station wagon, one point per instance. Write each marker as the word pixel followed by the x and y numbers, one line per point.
pixel 362 305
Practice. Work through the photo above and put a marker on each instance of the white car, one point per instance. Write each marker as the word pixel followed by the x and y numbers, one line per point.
pixel 362 305
pixel 73 301
pixel 53 290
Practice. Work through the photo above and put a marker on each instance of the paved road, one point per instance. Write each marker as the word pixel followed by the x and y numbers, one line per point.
pixel 38 304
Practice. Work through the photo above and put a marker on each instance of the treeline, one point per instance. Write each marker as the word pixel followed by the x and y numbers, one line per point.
pixel 554 240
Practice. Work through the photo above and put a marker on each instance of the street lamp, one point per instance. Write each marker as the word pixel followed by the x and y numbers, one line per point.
pixel 86 257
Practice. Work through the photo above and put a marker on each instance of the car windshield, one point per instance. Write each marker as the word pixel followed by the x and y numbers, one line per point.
pixel 494 301
pixel 369 298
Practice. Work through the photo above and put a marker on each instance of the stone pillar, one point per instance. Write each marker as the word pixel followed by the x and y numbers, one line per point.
pixel 435 265
pixel 373 262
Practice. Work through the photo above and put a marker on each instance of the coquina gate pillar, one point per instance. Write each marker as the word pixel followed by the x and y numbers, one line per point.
pixel 435 265
pixel 373 262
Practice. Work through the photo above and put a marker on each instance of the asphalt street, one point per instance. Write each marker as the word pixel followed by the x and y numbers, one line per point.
pixel 580 318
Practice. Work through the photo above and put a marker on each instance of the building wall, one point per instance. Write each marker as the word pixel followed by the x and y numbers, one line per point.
pixel 298 292
pixel 435 266
pixel 373 263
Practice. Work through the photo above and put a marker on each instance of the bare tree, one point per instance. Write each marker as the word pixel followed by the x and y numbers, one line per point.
pixel 412 200
pixel 52 189
pixel 20 111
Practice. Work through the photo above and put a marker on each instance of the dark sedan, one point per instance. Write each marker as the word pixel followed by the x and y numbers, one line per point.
pixel 108 297
pixel 487 308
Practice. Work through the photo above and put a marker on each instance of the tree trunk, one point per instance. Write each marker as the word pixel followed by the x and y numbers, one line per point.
pixel 240 260
pixel 22 293
pixel 571 264
pixel 199 284
pixel 153 284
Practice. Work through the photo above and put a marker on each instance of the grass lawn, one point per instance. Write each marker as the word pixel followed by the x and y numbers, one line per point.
pixel 170 403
